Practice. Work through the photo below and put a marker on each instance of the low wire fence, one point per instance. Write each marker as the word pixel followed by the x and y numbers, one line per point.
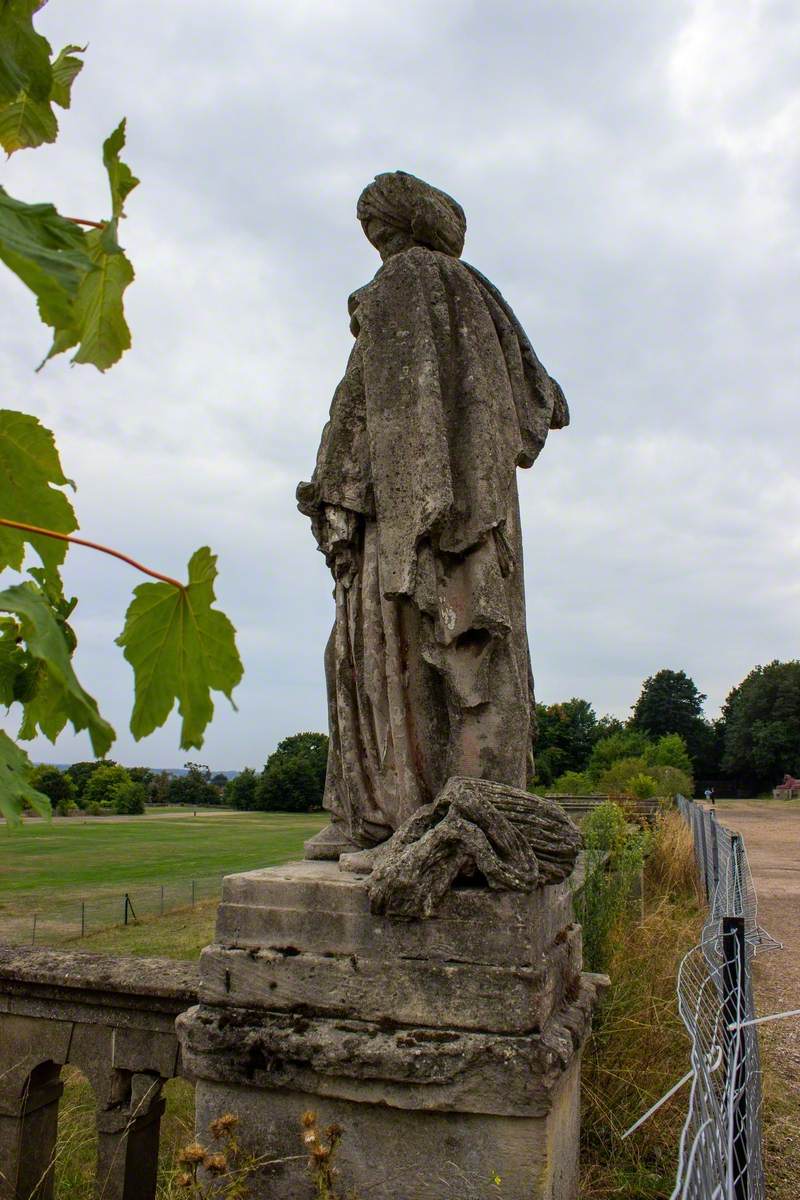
pixel 720 1147
pixel 41 920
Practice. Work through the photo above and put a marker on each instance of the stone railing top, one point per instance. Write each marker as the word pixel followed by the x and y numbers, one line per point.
pixel 98 978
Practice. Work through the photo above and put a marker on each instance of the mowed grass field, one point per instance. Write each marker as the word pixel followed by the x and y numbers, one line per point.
pixel 62 880
pixel 86 857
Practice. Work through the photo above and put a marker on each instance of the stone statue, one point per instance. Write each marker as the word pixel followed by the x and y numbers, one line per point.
pixel 413 502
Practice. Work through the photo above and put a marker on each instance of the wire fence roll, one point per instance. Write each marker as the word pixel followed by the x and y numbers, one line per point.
pixel 50 920
pixel 720 1148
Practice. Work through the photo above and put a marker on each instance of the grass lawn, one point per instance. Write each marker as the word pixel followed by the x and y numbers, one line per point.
pixel 181 934
pixel 63 878
pixel 83 857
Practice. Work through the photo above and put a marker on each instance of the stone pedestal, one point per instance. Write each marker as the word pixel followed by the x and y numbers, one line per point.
pixel 448 1049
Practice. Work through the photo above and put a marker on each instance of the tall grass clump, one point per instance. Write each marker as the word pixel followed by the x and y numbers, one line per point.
pixel 614 855
pixel 639 1047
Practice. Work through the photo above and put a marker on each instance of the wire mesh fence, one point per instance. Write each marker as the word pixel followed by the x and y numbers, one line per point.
pixel 49 920
pixel 720 1148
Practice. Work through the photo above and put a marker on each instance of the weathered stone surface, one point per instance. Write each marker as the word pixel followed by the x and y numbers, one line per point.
pixel 113 1018
pixel 406 991
pixel 395 1154
pixel 474 829
pixel 315 907
pixel 459 835
pixel 503 943
pixel 414 503
pixel 375 1062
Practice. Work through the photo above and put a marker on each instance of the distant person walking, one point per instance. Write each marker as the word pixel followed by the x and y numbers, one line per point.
pixel 710 798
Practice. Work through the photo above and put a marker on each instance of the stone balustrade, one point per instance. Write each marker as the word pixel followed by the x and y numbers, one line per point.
pixel 112 1018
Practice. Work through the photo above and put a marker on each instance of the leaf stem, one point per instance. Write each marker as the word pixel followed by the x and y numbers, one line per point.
pixel 77 541
pixel 81 221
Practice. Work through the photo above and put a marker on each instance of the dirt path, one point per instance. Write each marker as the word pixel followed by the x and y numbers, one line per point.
pixel 771 835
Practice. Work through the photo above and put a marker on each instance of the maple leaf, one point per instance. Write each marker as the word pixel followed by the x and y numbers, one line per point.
pixel 180 649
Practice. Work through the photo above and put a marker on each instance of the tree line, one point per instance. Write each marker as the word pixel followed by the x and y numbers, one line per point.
pixel 103 787
pixel 666 746
pixel 292 780
pixel 752 744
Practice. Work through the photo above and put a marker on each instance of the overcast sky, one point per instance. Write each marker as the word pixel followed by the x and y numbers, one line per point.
pixel 629 171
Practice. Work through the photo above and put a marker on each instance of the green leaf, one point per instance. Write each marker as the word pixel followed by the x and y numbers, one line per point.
pixel 97 325
pixel 30 479
pixel 48 253
pixel 65 67
pixel 27 123
pixel 100 324
pixel 12 660
pixel 24 53
pixel 60 694
pixel 15 790
pixel 26 79
pixel 121 179
pixel 180 649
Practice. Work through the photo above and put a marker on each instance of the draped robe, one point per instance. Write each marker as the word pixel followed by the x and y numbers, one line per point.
pixel 414 503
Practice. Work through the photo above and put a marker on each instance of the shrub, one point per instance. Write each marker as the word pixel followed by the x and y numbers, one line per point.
pixel 66 808
pixel 128 798
pixel 642 786
pixel 670 751
pixel 630 743
pixel 574 783
pixel 616 779
pixel 614 855
pixel 670 781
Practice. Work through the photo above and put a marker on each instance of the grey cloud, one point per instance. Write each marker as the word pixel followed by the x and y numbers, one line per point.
pixel 629 173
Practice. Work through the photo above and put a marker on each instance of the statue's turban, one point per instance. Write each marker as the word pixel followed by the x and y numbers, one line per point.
pixel 402 201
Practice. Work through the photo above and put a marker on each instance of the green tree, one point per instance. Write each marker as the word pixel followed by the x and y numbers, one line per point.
pixel 629 743
pixel 608 725
pixel 762 725
pixel 102 786
pixel 293 779
pixel 81 772
pixel 158 789
pixel 193 788
pixel 56 785
pixel 128 797
pixel 669 702
pixel 670 751
pixel 144 775
pixel 566 733
pixel 240 792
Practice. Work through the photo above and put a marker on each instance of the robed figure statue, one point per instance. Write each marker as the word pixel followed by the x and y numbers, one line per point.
pixel 413 502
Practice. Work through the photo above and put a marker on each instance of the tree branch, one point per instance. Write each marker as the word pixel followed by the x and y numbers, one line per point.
pixel 81 221
pixel 77 541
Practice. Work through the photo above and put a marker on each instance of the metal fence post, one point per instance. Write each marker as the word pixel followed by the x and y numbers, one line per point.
pixel 714 828
pixel 193 893
pixel 701 818
pixel 83 918
pixel 734 1011
pixel 33 931
pixel 125 910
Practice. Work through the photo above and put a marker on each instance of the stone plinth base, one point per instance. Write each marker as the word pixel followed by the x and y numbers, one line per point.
pixel 448 1049
pixel 411 1155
